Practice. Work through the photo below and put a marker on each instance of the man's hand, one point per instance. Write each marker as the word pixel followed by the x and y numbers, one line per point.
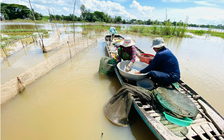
pixel 127 69
pixel 138 72
pixel 129 66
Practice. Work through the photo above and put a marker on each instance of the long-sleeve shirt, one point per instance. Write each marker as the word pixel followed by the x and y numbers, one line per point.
pixel 130 50
pixel 164 61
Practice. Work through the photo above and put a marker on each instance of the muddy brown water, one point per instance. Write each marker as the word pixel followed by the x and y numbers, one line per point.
pixel 67 103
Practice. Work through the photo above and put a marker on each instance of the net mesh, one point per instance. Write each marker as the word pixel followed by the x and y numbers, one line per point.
pixel 175 103
pixel 107 65
pixel 118 107
pixel 66 50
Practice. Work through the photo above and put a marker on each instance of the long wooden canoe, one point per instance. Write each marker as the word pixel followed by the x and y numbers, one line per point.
pixel 208 124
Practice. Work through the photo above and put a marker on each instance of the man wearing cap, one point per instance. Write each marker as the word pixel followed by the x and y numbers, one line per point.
pixel 127 51
pixel 164 68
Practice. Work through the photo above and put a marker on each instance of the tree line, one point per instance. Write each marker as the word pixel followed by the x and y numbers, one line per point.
pixel 17 11
pixel 14 11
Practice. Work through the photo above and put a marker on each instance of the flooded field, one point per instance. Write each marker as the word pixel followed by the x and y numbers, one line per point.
pixel 67 103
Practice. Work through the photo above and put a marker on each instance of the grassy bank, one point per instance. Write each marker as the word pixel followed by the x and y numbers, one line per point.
pixel 202 32
pixel 167 30
pixel 98 27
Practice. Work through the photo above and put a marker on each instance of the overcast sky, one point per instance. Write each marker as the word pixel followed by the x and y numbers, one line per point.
pixel 192 11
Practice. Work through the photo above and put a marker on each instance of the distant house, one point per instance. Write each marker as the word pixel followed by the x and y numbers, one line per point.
pixel 2 17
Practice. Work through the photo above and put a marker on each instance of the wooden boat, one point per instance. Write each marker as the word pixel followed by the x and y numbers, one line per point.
pixel 208 124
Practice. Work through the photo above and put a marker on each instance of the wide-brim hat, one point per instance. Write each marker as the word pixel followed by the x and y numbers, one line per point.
pixel 158 42
pixel 127 42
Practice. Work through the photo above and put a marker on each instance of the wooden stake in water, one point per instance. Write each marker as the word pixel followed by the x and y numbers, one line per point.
pixel 22 42
pixel 33 38
pixel 36 24
pixel 69 49
pixel 58 31
pixel 4 53
pixel 73 19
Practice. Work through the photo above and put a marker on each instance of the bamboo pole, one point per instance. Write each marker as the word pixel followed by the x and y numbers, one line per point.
pixel 22 42
pixel 69 49
pixel 36 24
pixel 56 23
pixel 49 15
pixel 33 38
pixel 73 19
pixel 4 52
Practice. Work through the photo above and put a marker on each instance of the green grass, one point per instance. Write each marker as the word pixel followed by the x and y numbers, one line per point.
pixel 160 30
pixel 202 32
pixel 197 32
pixel 45 18
pixel 217 34
pixel 23 30
pixel 97 28
pixel 16 36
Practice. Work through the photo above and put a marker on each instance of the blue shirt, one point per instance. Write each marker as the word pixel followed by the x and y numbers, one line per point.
pixel 113 30
pixel 164 61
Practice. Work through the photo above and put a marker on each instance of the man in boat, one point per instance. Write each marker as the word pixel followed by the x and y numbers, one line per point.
pixel 126 51
pixel 113 31
pixel 163 68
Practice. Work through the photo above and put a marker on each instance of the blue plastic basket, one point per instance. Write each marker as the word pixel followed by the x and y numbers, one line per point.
pixel 182 122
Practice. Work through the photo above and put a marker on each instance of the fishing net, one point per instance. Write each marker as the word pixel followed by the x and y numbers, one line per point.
pixel 174 103
pixel 12 87
pixel 169 100
pixel 107 65
pixel 54 40
pixel 118 107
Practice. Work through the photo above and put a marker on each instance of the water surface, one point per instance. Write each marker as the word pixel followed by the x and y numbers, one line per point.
pixel 67 103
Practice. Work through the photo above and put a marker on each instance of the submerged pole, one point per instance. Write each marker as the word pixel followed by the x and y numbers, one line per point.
pixel 69 49
pixel 22 42
pixel 4 52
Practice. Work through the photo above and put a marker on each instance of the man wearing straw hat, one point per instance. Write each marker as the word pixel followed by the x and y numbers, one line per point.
pixel 164 68
pixel 127 51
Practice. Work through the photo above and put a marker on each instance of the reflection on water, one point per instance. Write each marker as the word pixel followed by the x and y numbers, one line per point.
pixel 67 103
pixel 201 64
pixel 32 54
pixel 20 62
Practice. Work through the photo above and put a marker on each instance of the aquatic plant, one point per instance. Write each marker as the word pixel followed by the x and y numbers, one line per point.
pixel 183 30
pixel 23 30
pixel 212 33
